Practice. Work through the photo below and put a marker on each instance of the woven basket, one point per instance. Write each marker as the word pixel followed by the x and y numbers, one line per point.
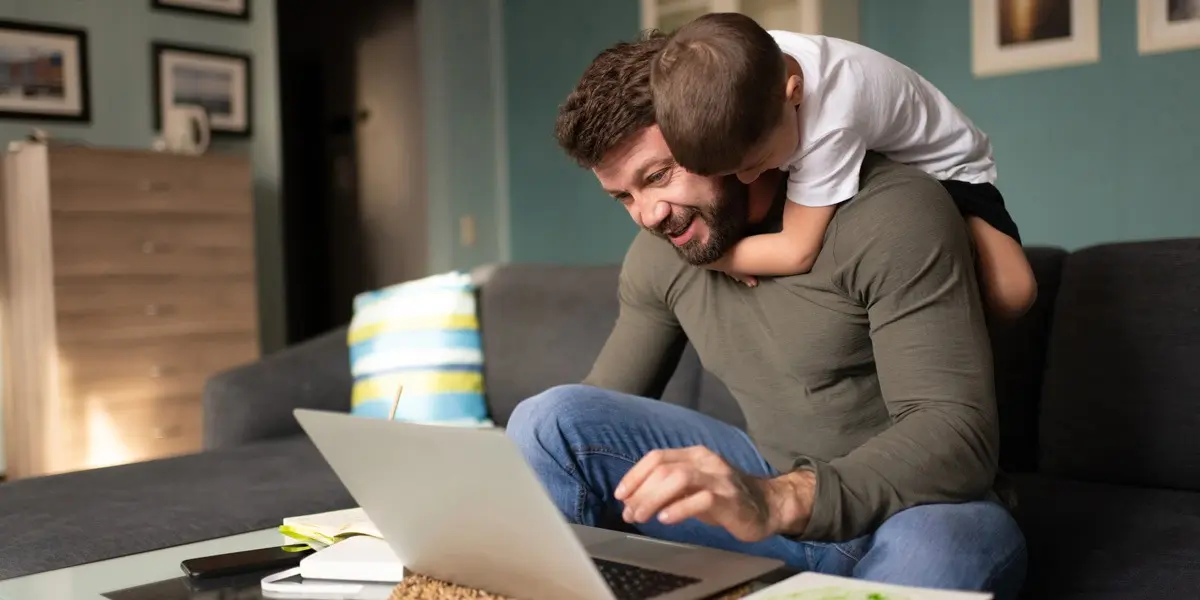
pixel 419 587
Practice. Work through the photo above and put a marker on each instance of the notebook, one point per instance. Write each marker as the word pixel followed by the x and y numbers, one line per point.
pixel 815 586
pixel 324 529
pixel 360 558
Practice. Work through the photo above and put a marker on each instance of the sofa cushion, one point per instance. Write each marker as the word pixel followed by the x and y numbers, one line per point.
pixel 544 325
pixel 1019 355
pixel 65 520
pixel 1121 401
pixel 1093 541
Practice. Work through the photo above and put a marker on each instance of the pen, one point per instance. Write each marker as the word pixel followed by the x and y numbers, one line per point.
pixel 396 403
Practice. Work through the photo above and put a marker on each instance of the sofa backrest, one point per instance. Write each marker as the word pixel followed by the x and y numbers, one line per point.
pixel 544 325
pixel 1121 401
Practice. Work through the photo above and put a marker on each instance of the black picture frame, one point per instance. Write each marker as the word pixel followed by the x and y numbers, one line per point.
pixel 158 49
pixel 175 6
pixel 80 37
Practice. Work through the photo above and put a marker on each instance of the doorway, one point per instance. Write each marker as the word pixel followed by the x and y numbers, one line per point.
pixel 354 214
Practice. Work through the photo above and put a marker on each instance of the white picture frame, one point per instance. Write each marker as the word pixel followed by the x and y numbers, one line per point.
pixel 1168 26
pixel 218 80
pixel 1015 36
pixel 226 9
pixel 44 72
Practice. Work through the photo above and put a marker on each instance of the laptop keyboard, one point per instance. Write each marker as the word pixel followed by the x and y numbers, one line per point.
pixel 635 583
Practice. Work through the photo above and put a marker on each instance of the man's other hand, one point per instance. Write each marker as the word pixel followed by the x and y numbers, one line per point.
pixel 678 484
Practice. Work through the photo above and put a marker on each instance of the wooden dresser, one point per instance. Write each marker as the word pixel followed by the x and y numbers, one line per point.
pixel 128 279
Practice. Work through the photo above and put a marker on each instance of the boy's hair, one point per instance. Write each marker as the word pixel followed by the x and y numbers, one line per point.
pixel 611 102
pixel 718 89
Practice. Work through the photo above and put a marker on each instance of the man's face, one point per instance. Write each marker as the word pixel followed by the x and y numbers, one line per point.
pixel 701 216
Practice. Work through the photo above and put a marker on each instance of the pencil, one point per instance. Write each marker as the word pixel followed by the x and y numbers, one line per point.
pixel 395 403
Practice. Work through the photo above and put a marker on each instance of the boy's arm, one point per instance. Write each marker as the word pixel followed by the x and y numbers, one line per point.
pixel 825 176
pixel 790 252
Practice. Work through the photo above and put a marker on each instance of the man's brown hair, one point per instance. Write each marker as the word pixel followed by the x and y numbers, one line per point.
pixel 611 101
pixel 718 90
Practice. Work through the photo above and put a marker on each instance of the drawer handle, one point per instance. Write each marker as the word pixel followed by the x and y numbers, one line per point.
pixel 152 310
pixel 149 247
pixel 161 433
pixel 149 185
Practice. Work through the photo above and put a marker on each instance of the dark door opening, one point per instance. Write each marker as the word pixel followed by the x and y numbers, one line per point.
pixel 354 214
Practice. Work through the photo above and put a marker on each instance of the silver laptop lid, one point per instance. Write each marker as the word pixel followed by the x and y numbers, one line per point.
pixel 457 504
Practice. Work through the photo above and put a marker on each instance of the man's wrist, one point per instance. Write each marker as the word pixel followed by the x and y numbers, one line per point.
pixel 789 501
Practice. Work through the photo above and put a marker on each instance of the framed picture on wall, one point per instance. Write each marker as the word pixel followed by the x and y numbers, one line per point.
pixel 1012 36
pixel 1168 25
pixel 228 9
pixel 218 80
pixel 43 72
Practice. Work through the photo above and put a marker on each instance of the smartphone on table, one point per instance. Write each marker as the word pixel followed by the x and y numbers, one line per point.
pixel 240 563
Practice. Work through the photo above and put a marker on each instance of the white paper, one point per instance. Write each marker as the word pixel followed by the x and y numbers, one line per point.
pixel 815 586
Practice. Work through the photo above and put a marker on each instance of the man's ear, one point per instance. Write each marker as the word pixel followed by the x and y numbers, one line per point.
pixel 794 90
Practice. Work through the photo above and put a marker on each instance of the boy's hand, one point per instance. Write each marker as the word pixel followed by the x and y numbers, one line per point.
pixel 748 280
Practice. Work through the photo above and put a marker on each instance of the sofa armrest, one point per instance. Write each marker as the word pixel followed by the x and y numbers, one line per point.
pixel 255 401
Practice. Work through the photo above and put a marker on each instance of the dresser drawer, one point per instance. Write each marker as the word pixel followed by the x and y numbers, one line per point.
pixel 212 171
pixel 119 433
pixel 99 308
pixel 127 372
pixel 96 244
pixel 85 197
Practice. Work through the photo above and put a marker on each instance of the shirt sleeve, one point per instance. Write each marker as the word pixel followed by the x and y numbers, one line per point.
pixel 828 172
pixel 643 350
pixel 911 263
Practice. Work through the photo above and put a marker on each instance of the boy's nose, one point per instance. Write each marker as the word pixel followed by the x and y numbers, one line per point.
pixel 748 177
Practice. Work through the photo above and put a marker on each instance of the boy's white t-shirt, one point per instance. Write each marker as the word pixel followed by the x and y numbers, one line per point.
pixel 857 99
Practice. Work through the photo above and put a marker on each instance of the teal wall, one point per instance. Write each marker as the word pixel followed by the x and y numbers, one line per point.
pixel 462 83
pixel 1090 154
pixel 558 212
pixel 119 36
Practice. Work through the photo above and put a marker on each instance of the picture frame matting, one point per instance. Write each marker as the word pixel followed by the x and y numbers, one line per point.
pixel 218 79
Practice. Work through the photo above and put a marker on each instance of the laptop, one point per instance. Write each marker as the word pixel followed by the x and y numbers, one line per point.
pixel 461 505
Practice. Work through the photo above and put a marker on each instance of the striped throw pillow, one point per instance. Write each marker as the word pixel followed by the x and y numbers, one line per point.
pixel 424 335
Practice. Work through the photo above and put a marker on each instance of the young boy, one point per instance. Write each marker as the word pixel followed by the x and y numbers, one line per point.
pixel 733 98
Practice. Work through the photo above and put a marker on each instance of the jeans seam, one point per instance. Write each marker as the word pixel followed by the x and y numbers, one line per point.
pixel 846 553
pixel 590 451
pixel 602 451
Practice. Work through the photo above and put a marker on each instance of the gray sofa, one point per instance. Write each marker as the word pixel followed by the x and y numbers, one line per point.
pixel 1099 391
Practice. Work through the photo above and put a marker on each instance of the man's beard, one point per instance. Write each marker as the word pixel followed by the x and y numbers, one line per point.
pixel 726 219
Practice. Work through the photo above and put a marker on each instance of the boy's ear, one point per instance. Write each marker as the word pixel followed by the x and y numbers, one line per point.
pixel 794 90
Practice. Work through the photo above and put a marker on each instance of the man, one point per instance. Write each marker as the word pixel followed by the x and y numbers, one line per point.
pixel 866 383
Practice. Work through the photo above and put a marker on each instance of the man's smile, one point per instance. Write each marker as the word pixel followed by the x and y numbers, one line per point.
pixel 682 237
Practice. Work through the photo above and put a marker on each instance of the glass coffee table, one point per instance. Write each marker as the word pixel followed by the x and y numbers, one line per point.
pixel 93 580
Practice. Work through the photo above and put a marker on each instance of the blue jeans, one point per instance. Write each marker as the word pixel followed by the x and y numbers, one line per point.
pixel 581 441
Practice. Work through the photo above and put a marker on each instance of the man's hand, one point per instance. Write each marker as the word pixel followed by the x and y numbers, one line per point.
pixel 679 484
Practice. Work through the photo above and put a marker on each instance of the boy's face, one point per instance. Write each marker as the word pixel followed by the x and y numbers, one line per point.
pixel 781 142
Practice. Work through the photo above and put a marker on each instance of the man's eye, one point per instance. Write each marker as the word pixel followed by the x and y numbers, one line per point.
pixel 657 176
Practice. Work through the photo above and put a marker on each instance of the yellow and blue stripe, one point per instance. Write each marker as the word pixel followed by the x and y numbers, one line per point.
pixel 422 335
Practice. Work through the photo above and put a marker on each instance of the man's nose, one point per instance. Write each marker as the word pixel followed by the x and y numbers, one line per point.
pixel 651 213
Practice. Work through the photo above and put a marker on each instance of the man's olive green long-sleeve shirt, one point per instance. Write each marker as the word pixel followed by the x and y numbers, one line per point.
pixel 874 369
